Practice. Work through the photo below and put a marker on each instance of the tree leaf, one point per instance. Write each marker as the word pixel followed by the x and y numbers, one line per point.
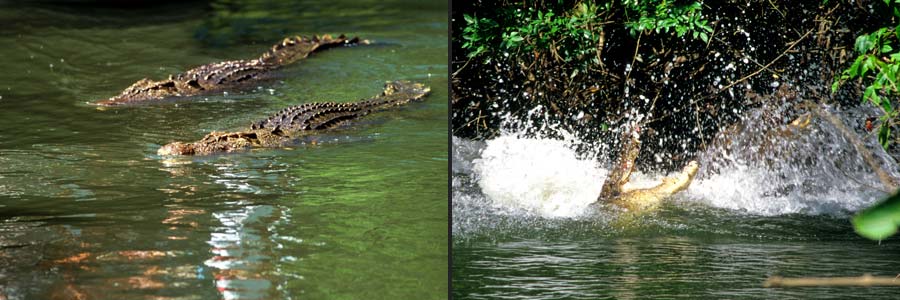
pixel 867 95
pixel 867 65
pixel 886 104
pixel 884 135
pixel 879 221
pixel 861 44
pixel 469 18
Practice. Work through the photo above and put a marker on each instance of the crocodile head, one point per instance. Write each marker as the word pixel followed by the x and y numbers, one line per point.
pixel 215 142
pixel 144 89
pixel 638 200
pixel 176 148
pixel 405 87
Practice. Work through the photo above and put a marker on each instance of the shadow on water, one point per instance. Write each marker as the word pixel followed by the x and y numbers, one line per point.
pixel 29 16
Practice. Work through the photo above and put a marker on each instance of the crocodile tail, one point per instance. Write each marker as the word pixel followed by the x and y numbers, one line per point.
pixel 295 48
pixel 397 93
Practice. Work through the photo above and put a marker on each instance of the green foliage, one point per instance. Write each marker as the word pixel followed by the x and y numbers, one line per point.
pixel 878 65
pixel 575 35
pixel 479 34
pixel 664 16
pixel 880 221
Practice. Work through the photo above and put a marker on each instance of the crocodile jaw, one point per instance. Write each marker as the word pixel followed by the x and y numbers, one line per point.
pixel 645 199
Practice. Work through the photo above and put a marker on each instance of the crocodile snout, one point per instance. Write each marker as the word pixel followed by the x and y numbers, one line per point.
pixel 176 148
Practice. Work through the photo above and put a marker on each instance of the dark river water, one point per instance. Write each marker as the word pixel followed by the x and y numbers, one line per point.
pixel 89 211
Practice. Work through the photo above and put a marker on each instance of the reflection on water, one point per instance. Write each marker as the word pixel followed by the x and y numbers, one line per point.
pixel 76 260
pixel 660 267
pixel 242 253
pixel 89 211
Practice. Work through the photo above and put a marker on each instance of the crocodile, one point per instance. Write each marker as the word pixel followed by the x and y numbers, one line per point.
pixel 638 200
pixel 292 123
pixel 227 75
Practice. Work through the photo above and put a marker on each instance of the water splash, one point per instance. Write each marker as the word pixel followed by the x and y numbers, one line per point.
pixel 814 172
pixel 535 175
pixel 772 169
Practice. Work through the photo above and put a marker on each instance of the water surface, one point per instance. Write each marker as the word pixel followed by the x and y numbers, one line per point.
pixel 522 228
pixel 88 210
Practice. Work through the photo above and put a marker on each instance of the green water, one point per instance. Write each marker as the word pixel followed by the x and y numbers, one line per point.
pixel 668 258
pixel 688 249
pixel 87 210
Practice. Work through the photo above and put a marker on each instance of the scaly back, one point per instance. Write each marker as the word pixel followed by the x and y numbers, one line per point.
pixel 295 48
pixel 327 115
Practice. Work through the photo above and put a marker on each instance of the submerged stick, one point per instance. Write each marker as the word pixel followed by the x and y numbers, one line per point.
pixel 860 281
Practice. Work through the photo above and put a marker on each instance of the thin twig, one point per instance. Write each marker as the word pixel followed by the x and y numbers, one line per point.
pixel 865 280
pixel 463 67
pixel 637 46
pixel 783 53
pixel 791 47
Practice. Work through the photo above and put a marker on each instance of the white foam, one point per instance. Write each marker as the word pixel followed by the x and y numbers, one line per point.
pixel 764 192
pixel 546 177
pixel 541 176
pixel 816 173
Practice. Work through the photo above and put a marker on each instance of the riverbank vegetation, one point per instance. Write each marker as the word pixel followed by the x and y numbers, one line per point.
pixel 684 69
